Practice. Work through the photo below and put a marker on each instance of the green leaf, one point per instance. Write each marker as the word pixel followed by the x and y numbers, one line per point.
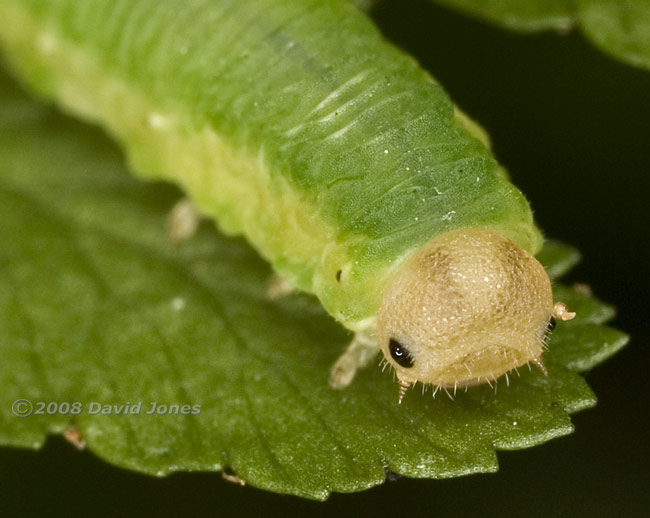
pixel 620 28
pixel 518 15
pixel 99 307
pixel 558 258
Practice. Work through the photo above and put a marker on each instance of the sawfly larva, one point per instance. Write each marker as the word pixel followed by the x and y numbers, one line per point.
pixel 341 161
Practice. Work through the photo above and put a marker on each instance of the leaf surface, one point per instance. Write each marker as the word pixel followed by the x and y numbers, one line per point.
pixel 621 28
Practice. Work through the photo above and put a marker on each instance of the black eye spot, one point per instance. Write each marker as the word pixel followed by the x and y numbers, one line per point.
pixel 551 324
pixel 400 353
pixel 338 275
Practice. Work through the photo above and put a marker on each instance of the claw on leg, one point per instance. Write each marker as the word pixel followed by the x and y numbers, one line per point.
pixel 182 221
pixel 361 350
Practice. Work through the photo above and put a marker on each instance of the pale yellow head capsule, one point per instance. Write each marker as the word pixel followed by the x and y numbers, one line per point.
pixel 469 306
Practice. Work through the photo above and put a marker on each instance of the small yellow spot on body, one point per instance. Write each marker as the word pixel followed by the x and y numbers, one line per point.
pixel 157 121
pixel 46 43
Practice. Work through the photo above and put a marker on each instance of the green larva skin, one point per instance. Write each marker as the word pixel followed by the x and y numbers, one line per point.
pixel 292 123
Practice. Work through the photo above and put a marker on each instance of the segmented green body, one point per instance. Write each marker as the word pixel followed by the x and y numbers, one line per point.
pixel 292 123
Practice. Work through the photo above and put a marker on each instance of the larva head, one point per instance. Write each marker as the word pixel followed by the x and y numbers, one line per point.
pixel 466 308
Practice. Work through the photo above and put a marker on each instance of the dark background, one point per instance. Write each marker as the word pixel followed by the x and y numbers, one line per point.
pixel 573 128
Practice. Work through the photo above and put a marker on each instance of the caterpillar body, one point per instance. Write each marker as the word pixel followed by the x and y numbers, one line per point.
pixel 341 161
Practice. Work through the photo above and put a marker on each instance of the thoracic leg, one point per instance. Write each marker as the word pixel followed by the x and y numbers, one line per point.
pixel 361 350
pixel 279 287
pixel 183 220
